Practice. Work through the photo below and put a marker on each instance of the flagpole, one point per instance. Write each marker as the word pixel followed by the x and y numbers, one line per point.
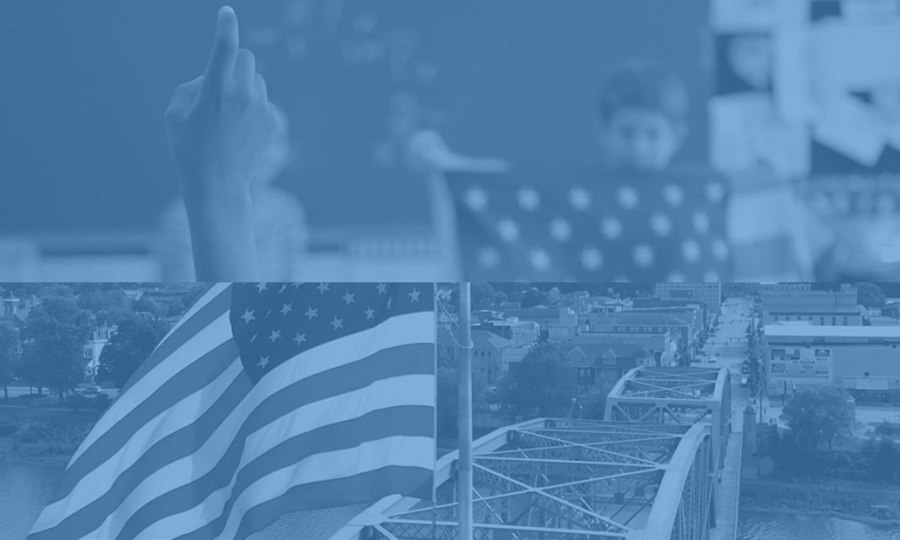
pixel 464 474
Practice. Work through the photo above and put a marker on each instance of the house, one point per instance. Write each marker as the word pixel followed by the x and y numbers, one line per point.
pixel 488 360
pixel 97 339
pixel 608 362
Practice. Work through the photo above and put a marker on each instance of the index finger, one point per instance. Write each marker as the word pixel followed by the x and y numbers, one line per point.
pixel 225 50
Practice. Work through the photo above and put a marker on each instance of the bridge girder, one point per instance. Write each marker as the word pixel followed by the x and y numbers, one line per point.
pixel 569 479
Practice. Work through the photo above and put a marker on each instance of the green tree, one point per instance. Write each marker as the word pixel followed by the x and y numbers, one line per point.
pixel 870 295
pixel 134 340
pixel 883 457
pixel 107 304
pixel 543 383
pixel 9 354
pixel 819 416
pixel 53 337
pixel 145 305
pixel 482 295
pixel 533 297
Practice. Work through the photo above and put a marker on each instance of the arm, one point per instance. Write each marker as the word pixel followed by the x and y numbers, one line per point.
pixel 219 128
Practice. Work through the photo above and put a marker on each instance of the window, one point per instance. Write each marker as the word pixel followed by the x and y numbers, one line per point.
pixel 822 320
pixel 845 321
pixel 833 321
pixel 88 352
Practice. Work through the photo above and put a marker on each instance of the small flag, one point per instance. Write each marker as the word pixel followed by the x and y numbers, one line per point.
pixel 591 227
pixel 265 399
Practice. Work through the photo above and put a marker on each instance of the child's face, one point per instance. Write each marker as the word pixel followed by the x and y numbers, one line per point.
pixel 640 140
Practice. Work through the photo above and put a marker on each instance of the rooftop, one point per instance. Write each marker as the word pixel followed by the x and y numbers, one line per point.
pixel 808 330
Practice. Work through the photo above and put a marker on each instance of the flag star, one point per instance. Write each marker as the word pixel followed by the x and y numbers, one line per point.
pixel 701 222
pixel 508 230
pixel 275 335
pixel 389 302
pixel 252 339
pixel 260 287
pixel 337 323
pixel 591 258
pixel 299 338
pixel 296 285
pixel 690 249
pixel 529 199
pixel 540 259
pixel 248 316
pixel 323 287
pixel 579 198
pixel 715 192
pixel 661 224
pixel 312 313
pixel 283 288
pixel 370 314
pixel 414 296
pixel 560 229
pixel 643 255
pixel 263 362
pixel 627 197
pixel 476 198
pixel 382 288
pixel 267 314
pixel 488 257
pixel 287 308
pixel 349 297
pixel 611 228
pixel 673 195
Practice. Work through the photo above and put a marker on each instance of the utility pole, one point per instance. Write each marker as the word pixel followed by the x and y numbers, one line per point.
pixel 464 474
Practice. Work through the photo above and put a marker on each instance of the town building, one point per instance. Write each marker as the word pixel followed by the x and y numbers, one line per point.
pixel 863 359
pixel 707 293
pixel 605 362
pixel 832 307
pixel 520 333
pixel 97 339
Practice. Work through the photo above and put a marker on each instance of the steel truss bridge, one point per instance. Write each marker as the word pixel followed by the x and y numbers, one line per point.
pixel 649 474
pixel 682 396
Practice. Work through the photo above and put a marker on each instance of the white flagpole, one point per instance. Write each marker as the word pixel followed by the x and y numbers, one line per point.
pixel 464 473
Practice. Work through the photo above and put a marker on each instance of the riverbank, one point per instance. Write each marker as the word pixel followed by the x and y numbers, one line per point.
pixel 42 436
pixel 872 504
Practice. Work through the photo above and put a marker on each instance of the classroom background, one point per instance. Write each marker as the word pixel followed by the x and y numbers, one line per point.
pixel 798 103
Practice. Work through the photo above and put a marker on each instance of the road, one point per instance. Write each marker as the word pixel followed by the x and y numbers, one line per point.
pixel 727 348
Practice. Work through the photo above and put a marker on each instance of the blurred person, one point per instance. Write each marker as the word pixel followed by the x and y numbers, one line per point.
pixel 229 142
pixel 642 124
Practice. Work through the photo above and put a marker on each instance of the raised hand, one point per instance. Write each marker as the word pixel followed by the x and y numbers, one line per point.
pixel 221 125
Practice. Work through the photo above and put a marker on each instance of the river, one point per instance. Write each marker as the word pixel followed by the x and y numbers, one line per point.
pixel 24 489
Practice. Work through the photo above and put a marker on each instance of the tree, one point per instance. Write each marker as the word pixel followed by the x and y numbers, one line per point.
pixel 482 295
pixel 134 340
pixel 9 354
pixel 145 305
pixel 533 298
pixel 543 384
pixel 819 416
pixel 870 295
pixel 53 336
pixel 884 459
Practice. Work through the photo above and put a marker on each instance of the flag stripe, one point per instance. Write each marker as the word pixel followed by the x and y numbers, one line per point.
pixel 94 498
pixel 206 340
pixel 333 465
pixel 190 380
pixel 401 420
pixel 189 326
pixel 367 486
pixel 212 462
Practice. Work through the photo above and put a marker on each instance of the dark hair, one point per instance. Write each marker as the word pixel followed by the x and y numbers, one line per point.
pixel 647 86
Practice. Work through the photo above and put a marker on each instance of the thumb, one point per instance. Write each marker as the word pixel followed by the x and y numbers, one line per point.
pixel 225 50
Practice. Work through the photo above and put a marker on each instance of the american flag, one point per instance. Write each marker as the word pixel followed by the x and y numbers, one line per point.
pixel 265 399
pixel 591 227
